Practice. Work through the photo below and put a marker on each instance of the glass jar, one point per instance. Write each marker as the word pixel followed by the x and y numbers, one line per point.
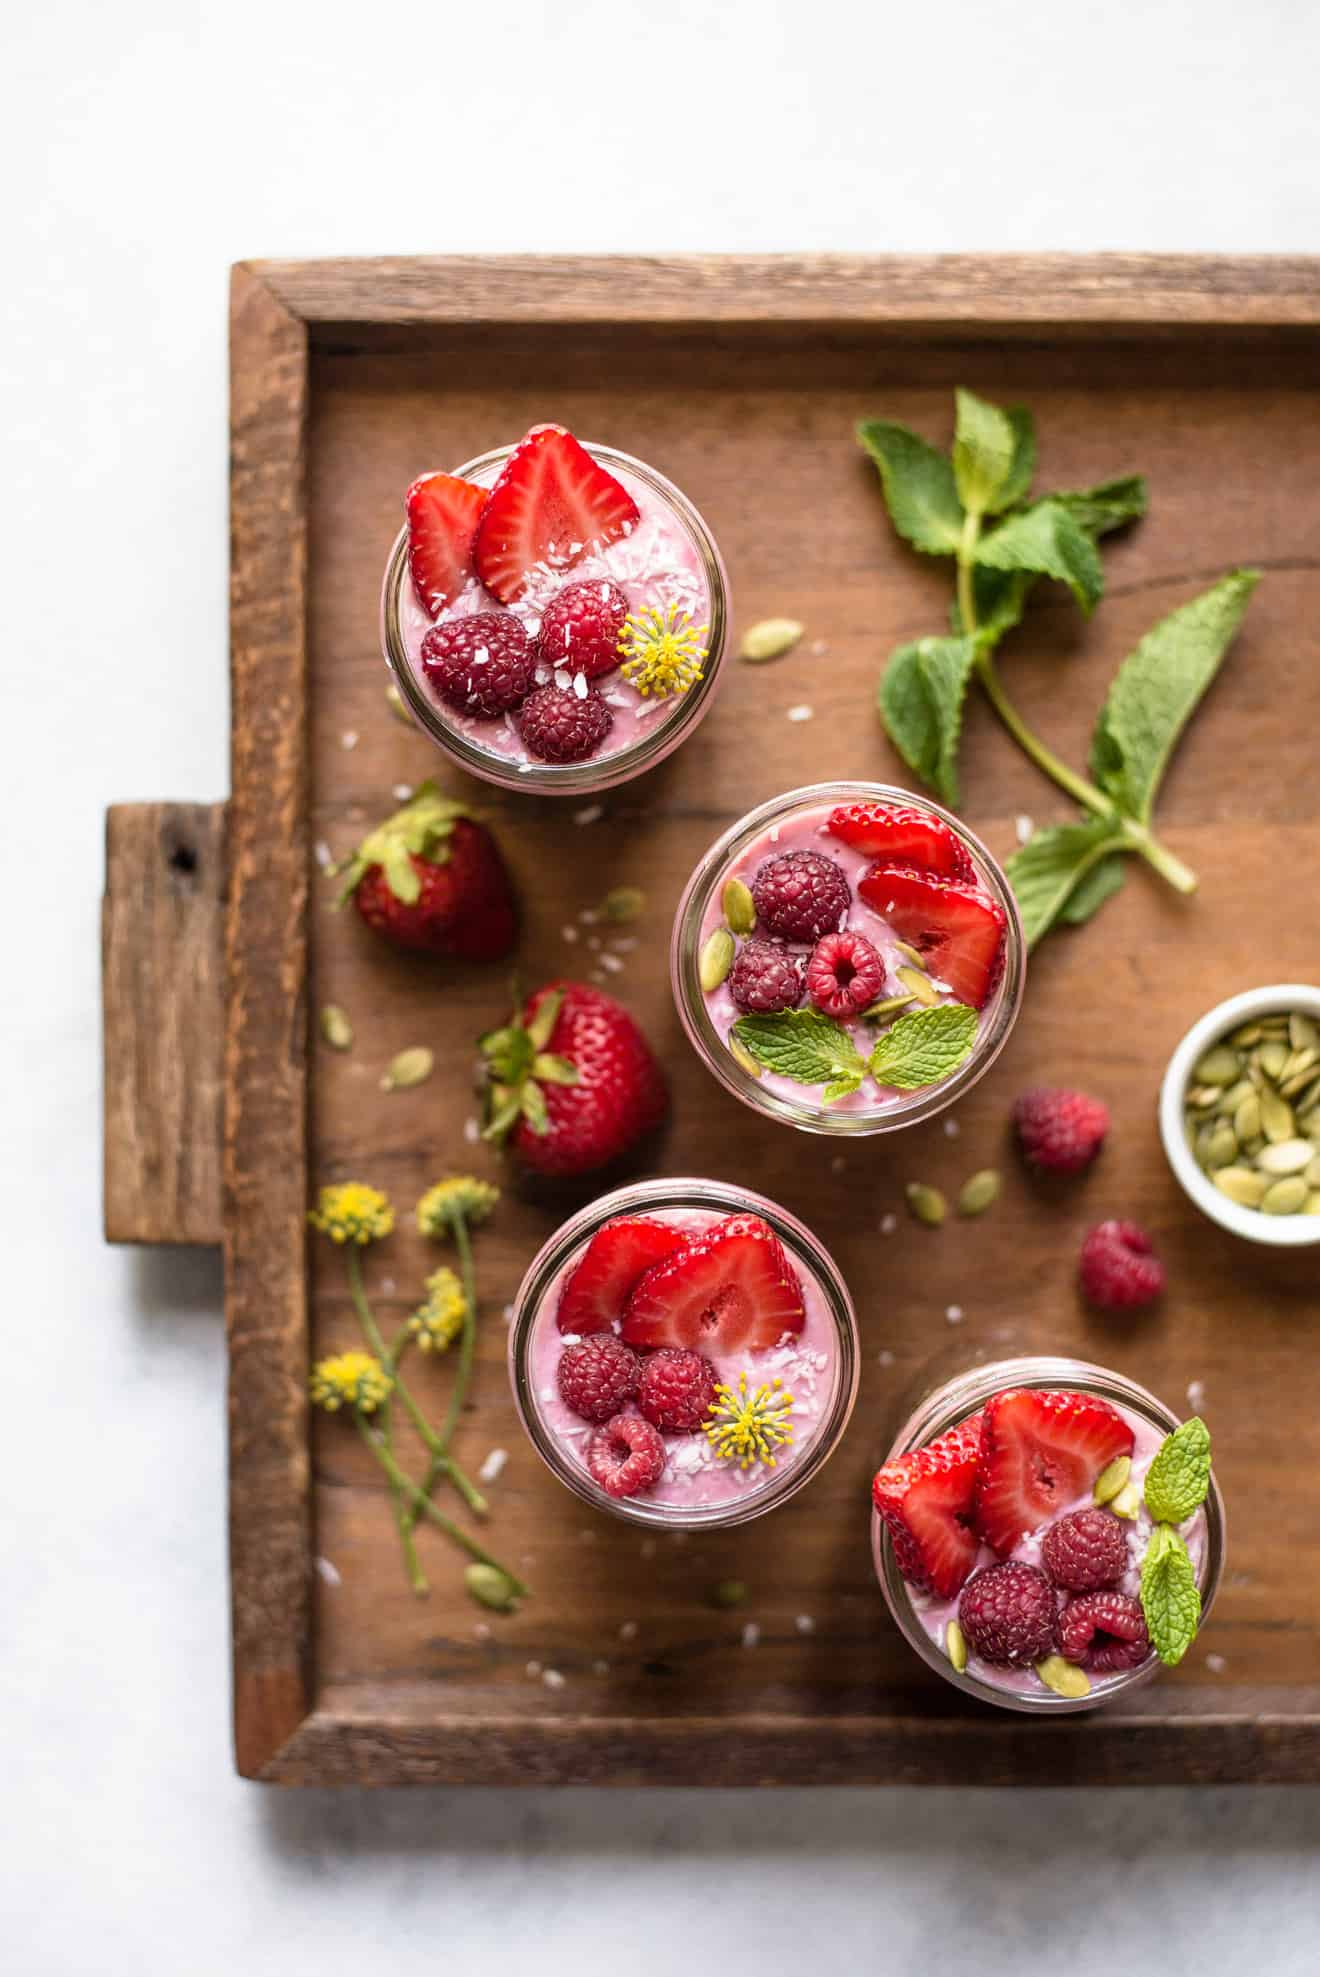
pixel 714 1495
pixel 859 1115
pixel 965 1394
pixel 646 730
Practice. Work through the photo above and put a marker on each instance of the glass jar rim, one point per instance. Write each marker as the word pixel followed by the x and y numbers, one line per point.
pixel 641 1197
pixel 705 1039
pixel 567 778
pixel 952 1402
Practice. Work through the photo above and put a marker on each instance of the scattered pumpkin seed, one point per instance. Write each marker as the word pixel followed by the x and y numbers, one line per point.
pixel 1246 1119
pixel 397 705
pixel 1127 1501
pixel 739 906
pixel 926 1204
pixel 977 1193
pixel 1222 1145
pixel 1241 1185
pixel 1248 1034
pixel 1232 1095
pixel 889 1007
pixel 410 1067
pixel 918 984
pixel 1285 1157
pixel 1219 1066
pixel 742 1057
pixel 955 1645
pixel 770 639
pixel 1272 1057
pixel 1286 1197
pixel 1112 1478
pixel 624 904
pixel 1276 1118
pixel 729 1592
pixel 1251 1114
pixel 1303 1034
pixel 1064 1677
pixel 336 1028
pixel 716 959
pixel 488 1586
pixel 1202 1097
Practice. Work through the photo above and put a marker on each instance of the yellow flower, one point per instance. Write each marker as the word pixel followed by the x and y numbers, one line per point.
pixel 352 1212
pixel 350 1379
pixel 662 650
pixel 457 1197
pixel 440 1320
pixel 749 1427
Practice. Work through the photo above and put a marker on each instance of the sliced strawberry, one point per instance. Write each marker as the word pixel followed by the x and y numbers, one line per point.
pixel 551 502
pixel 730 1290
pixel 959 932
pixel 1040 1452
pixel 443 513
pixel 902 835
pixel 925 1498
pixel 616 1257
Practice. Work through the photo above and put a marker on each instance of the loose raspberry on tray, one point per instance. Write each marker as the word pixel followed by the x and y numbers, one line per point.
pixel 626 1455
pixel 1060 1131
pixel 560 725
pixel 580 628
pixel 800 895
pixel 480 665
pixel 675 1389
pixel 1118 1267
pixel 1009 1615
pixel 1085 1550
pixel 598 1376
pixel 844 975
pixel 1105 1632
pixel 765 978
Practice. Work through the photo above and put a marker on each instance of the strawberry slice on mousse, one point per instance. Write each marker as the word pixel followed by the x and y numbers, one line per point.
pixel 551 502
pixel 443 513
pixel 1040 1451
pixel 729 1290
pixel 925 1498
pixel 616 1258
pixel 902 835
pixel 958 931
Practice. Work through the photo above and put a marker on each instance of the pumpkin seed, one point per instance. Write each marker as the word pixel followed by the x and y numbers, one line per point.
pixel 1286 1157
pixel 624 904
pixel 1253 1146
pixel 1222 1146
pixel 1298 1071
pixel 1064 1677
pixel 976 1194
pixel 1276 1117
pixel 1202 1097
pixel 1219 1066
pixel 729 1592
pixel 743 1058
pixel 716 959
pixel 397 705
pixel 1285 1197
pixel 490 1587
pixel 1312 1203
pixel 926 1204
pixel 1246 1119
pixel 1127 1502
pixel 1311 1175
pixel 410 1067
pixel 1272 1057
pixel 1248 1034
pixel 914 954
pixel 1275 1025
pixel 955 1645
pixel 1241 1185
pixel 889 1007
pixel 336 1028
pixel 1233 1095
pixel 918 984
pixel 739 906
pixel 1303 1034
pixel 1112 1478
pixel 770 639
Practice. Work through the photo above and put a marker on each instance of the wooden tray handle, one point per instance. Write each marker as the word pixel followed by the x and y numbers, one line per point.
pixel 162 992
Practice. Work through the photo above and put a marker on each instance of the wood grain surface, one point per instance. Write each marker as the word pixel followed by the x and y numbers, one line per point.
pixel 758 430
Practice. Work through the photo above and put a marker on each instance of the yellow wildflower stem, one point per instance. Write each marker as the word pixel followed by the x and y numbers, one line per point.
pixel 402 1511
pixel 424 1506
pixel 444 1462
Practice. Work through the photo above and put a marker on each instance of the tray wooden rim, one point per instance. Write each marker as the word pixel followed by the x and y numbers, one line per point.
pixel 279 312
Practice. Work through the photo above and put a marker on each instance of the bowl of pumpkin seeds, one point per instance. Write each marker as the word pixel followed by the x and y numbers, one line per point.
pixel 1240 1114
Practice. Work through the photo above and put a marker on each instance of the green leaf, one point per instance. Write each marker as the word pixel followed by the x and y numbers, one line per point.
pixel 840 1088
pixel 920 698
pixel 985 444
pixel 925 1047
pixel 805 1046
pixel 1157 689
pixel 1022 467
pixel 1111 505
pixel 1045 539
pixel 1047 873
pixel 1093 889
pixel 1169 1596
pixel 919 490
pixel 1179 1478
pixel 999 597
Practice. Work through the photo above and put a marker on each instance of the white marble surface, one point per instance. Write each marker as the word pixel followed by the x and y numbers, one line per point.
pixel 144 147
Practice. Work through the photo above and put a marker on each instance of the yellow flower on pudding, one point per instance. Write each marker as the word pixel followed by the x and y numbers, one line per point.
pixel 748 1427
pixel 663 651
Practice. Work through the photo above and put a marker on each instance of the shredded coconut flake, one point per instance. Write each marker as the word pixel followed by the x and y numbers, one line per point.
pixel 954 1314
pixel 533 1669
pixel 951 1129
pixel 403 792
pixel 805 1624
pixel 324 856
pixel 569 934
pixel 472 1131
pixel 329 1572
pixel 552 1678
pixel 1216 1663
pixel 751 1634
pixel 349 738
pixel 802 712
pixel 884 1358
pixel 888 1224
pixel 1023 829
pixel 600 1667
pixel 493 1466
pixel 1196 1395
pixel 628 1631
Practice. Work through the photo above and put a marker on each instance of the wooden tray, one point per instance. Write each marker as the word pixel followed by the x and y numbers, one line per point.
pixel 742 380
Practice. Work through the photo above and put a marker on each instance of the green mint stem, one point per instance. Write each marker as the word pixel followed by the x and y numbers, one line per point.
pixel 1045 759
pixel 1181 877
pixel 426 1508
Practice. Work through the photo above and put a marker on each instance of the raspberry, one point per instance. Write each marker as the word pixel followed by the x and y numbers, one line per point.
pixel 844 974
pixel 765 978
pixel 626 1455
pixel 800 895
pixel 1119 1269
pixel 598 1376
pixel 675 1389
pixel 1009 1615
pixel 480 665
pixel 1086 1550
pixel 580 628
pixel 560 725
pixel 1060 1131
pixel 1105 1632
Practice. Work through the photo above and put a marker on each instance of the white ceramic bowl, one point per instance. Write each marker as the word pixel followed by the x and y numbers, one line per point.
pixel 1282 1231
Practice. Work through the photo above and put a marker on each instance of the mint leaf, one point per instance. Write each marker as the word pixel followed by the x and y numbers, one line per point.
pixel 1000 597
pixel 1046 539
pixel 1169 1596
pixel 1093 889
pixel 925 1047
pixel 985 450
pixel 920 698
pixel 1157 689
pixel 1051 868
pixel 807 1047
pixel 1111 505
pixel 919 490
pixel 1179 1477
pixel 1023 464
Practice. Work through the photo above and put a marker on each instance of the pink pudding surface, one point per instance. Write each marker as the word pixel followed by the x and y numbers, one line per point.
pixel 805 1363
pixel 656 564
pixel 935 1613
pixel 808 830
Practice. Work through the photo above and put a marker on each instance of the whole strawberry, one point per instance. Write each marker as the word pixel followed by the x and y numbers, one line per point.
pixel 571 1082
pixel 431 878
pixel 1060 1131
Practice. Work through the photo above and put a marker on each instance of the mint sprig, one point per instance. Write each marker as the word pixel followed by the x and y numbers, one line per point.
pixel 807 1047
pixel 974 505
pixel 925 1047
pixel 1170 1599
pixel 1178 1479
